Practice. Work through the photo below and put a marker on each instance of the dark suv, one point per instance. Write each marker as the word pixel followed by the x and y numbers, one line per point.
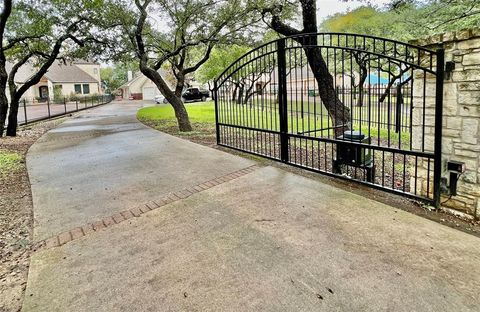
pixel 195 94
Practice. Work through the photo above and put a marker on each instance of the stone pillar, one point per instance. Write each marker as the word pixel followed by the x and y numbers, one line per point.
pixel 461 117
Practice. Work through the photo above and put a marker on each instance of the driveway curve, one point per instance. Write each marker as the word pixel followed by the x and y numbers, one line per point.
pixel 105 160
pixel 250 238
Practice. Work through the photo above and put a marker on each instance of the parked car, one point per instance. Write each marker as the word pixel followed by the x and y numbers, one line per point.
pixel 189 95
pixel 195 94
pixel 160 99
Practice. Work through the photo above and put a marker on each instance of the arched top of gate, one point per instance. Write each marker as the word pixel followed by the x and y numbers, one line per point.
pixel 416 57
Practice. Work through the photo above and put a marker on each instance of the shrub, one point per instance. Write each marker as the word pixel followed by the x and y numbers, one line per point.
pixel 58 96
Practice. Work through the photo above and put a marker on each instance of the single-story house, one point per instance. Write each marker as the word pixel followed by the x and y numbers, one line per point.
pixel 139 87
pixel 302 80
pixel 80 78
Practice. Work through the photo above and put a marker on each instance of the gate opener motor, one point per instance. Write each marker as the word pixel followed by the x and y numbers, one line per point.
pixel 456 168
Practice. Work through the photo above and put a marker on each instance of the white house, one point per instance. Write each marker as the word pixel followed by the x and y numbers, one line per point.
pixel 139 87
pixel 80 77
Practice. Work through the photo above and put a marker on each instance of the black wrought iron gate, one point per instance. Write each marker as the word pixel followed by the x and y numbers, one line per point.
pixel 358 107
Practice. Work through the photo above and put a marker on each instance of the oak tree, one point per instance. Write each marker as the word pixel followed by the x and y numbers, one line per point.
pixel 36 34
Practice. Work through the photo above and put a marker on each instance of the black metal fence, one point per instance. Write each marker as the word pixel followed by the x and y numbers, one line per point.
pixel 270 102
pixel 33 110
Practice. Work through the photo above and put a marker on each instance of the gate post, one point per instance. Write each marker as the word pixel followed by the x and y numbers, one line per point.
pixel 282 99
pixel 217 126
pixel 437 166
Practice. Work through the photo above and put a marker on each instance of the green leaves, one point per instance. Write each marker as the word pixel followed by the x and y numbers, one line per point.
pixel 408 19
pixel 114 76
pixel 220 58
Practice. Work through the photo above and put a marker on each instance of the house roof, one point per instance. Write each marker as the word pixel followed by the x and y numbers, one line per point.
pixel 85 61
pixel 58 72
pixel 23 73
pixel 137 76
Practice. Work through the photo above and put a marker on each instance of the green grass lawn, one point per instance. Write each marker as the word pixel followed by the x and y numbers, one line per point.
pixel 9 162
pixel 203 112
pixel 202 116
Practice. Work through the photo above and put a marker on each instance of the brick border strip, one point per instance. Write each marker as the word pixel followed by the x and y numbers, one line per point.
pixel 65 237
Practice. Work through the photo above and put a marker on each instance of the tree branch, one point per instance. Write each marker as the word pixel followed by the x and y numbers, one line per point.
pixel 200 62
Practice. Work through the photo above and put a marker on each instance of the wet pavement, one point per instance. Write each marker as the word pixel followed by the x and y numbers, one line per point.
pixel 104 161
pixel 265 241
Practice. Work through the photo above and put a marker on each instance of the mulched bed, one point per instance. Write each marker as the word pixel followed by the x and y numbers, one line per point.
pixel 16 217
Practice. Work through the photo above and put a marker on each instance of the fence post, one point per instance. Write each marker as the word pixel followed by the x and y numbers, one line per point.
pixel 76 103
pixel 437 166
pixel 65 104
pixel 217 126
pixel 48 106
pixel 282 99
pixel 25 110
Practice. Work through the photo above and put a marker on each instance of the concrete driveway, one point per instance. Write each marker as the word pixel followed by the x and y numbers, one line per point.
pixel 216 232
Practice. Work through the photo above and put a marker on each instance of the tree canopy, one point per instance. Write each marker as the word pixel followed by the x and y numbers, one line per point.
pixel 37 33
pixel 220 58
pixel 407 19
pixel 116 75
pixel 183 35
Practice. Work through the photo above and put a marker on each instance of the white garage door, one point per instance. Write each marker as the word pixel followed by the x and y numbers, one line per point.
pixel 148 93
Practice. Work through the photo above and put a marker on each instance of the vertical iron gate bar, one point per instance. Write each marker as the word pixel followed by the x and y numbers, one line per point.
pixel 398 113
pixel 217 126
pixel 437 169
pixel 282 99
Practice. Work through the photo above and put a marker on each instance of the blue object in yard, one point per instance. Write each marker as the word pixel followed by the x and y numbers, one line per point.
pixel 374 80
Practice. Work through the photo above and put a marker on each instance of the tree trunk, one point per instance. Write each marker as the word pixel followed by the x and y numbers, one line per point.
pixel 176 101
pixel 212 90
pixel 12 118
pixel 234 93
pixel 3 94
pixel 180 85
pixel 179 107
pixel 181 114
pixel 339 113
pixel 249 93
pixel 3 110
pixel 363 77
pixel 240 94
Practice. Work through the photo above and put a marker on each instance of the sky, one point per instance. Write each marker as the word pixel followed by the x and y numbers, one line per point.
pixel 330 7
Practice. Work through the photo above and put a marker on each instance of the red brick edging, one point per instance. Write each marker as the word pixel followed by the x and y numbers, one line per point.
pixel 119 217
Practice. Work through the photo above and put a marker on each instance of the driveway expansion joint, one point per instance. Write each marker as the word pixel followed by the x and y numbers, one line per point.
pixel 119 217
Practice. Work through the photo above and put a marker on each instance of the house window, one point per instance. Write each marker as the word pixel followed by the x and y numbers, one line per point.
pixel 86 88
pixel 78 89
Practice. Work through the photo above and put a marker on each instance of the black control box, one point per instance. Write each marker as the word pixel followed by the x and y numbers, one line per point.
pixel 456 166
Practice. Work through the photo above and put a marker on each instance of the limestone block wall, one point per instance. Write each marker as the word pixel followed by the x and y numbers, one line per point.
pixel 461 117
